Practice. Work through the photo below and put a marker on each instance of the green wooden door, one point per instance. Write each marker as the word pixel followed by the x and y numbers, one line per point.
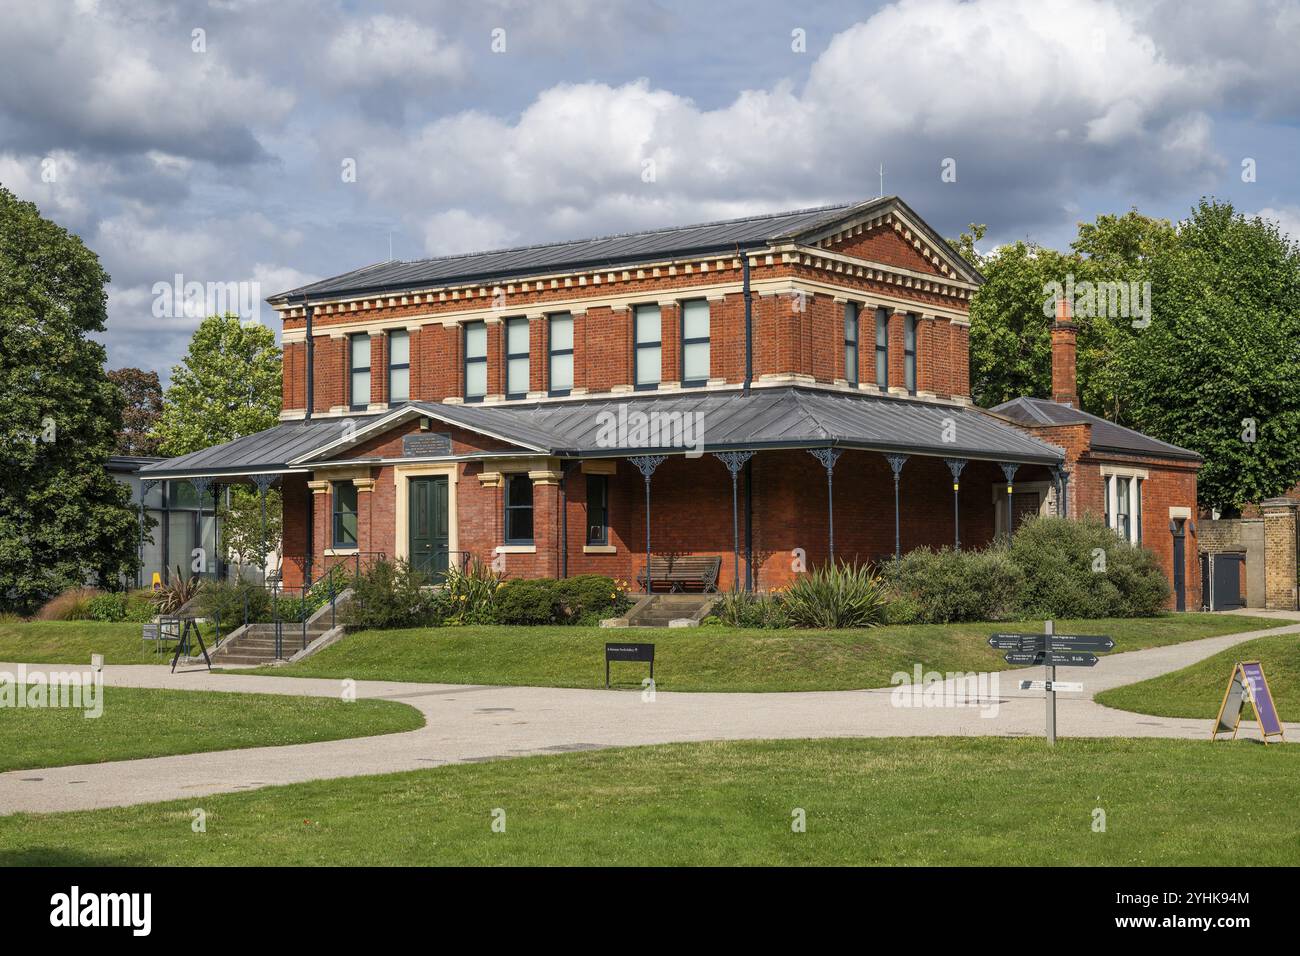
pixel 427 509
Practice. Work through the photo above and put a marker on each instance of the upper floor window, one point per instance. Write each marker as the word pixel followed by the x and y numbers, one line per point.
pixel 851 342
pixel 560 381
pixel 399 367
pixel 597 509
pixel 909 354
pixel 345 514
pixel 519 509
pixel 516 358
pixel 1123 506
pixel 882 347
pixel 359 370
pixel 475 361
pixel 695 342
pixel 648 349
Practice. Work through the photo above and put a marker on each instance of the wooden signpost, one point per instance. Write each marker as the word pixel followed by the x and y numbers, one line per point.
pixel 1247 683
pixel 1052 650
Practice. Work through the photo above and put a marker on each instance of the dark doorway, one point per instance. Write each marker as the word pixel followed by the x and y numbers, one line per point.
pixel 1179 528
pixel 1226 577
pixel 427 514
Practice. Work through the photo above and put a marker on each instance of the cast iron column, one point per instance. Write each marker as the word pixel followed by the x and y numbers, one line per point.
pixel 201 485
pixel 263 483
pixel 735 461
pixel 1009 470
pixel 896 463
pixel 955 465
pixel 828 457
pixel 647 464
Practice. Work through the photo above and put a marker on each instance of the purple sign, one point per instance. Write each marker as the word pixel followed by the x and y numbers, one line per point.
pixel 1261 698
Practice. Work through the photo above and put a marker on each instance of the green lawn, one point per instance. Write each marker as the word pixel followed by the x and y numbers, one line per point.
pixel 1197 691
pixel 156 723
pixel 713 658
pixel 937 801
pixel 72 642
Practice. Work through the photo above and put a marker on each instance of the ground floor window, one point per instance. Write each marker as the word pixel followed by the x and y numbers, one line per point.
pixel 597 509
pixel 1123 504
pixel 345 514
pixel 519 509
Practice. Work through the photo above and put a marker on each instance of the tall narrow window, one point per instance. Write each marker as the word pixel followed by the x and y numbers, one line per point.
pixel 851 342
pixel 399 367
pixel 560 381
pixel 1137 511
pixel 345 514
pixel 519 509
pixel 909 354
pixel 475 361
pixel 1122 525
pixel 516 358
pixel 695 343
pixel 359 371
pixel 649 345
pixel 882 347
pixel 597 509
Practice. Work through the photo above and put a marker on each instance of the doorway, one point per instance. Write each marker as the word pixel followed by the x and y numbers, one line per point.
pixel 428 526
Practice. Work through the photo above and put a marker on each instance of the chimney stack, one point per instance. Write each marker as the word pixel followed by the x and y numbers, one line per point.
pixel 1064 362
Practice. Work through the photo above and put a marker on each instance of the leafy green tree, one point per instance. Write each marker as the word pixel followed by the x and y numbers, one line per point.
pixel 142 394
pixel 227 386
pixel 1218 369
pixel 63 519
pixel 241 525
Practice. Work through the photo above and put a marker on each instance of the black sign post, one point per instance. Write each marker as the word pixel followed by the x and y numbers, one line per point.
pixel 629 652
pixel 1052 650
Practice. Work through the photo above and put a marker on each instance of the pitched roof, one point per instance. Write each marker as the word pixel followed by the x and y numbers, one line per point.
pixel 605 251
pixel 1106 435
pixel 767 418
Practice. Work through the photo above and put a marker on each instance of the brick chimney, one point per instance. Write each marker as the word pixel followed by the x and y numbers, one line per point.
pixel 1064 346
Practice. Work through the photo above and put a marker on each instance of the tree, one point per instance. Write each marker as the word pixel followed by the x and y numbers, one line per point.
pixel 227 386
pixel 241 525
pixel 1216 370
pixel 63 519
pixel 142 398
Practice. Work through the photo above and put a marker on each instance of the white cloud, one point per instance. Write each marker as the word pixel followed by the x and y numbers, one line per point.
pixel 1286 217
pixel 383 49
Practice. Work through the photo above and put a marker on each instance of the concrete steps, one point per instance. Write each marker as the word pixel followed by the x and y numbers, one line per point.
pixel 668 610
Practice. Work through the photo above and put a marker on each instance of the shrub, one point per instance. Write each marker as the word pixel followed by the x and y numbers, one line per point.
pixel 139 605
pixel 938 587
pixel 227 601
pixel 747 609
pixel 391 594
pixel 1081 568
pixel 177 592
pixel 71 605
pixel 527 601
pixel 835 596
pixel 588 599
pixel 109 606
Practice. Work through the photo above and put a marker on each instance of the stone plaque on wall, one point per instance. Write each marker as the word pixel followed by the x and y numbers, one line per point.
pixel 426 445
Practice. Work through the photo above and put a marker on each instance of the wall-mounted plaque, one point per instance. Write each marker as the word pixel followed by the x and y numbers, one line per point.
pixel 426 445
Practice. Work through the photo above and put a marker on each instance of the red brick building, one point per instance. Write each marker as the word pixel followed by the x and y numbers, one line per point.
pixel 766 390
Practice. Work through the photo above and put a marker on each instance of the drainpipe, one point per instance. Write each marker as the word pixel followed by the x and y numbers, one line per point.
pixel 565 471
pixel 311 359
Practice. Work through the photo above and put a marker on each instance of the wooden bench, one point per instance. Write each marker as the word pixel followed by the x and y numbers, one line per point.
pixel 682 573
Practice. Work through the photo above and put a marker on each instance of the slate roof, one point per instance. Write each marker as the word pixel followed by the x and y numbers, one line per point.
pixel 767 418
pixel 601 252
pixel 1106 435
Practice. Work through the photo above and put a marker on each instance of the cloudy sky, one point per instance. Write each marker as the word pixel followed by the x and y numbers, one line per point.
pixel 278 141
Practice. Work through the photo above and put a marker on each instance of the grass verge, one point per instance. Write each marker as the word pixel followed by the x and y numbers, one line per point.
pixel 714 658
pixel 936 801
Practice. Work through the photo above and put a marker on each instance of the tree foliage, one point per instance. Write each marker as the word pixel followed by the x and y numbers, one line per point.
pixel 63 518
pixel 227 386
pixel 241 525
pixel 141 409
pixel 1220 363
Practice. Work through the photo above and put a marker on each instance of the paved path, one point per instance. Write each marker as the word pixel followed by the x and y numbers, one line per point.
pixel 470 723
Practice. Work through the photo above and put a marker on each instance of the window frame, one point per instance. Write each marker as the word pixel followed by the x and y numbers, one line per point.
pixel 392 366
pixel 336 515
pixel 552 353
pixel 601 482
pixel 882 347
pixel 706 341
pixel 517 322
pixel 911 367
pixel 638 346
pixel 475 360
pixel 506 528
pixel 1132 513
pixel 853 314
pixel 354 370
